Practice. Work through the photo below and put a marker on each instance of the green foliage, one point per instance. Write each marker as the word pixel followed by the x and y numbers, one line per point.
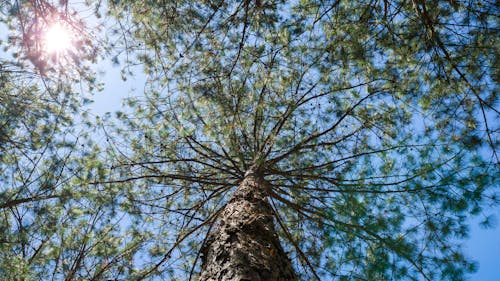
pixel 46 212
pixel 370 119
pixel 365 117
pixel 29 21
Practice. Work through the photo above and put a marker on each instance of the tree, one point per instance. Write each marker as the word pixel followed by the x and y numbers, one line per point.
pixel 362 122
pixel 39 140
pixel 330 140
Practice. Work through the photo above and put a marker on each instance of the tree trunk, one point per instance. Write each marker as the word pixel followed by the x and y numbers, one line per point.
pixel 245 245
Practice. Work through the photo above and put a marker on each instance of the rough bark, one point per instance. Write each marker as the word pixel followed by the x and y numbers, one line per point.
pixel 245 245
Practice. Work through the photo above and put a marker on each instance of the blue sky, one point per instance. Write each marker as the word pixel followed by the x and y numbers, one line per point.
pixel 483 245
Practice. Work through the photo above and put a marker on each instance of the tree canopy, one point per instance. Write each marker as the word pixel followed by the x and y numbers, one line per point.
pixel 374 122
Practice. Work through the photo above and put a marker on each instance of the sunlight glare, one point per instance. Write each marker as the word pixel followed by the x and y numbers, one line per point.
pixel 57 39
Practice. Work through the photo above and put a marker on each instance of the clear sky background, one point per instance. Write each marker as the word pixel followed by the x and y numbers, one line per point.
pixel 482 246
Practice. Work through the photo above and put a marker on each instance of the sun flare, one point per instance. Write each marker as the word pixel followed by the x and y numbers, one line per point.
pixel 57 39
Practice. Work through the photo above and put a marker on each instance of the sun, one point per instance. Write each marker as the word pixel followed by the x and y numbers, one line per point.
pixel 57 39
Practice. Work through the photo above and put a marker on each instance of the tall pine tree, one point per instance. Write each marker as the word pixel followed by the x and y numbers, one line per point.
pixel 308 140
pixel 360 124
